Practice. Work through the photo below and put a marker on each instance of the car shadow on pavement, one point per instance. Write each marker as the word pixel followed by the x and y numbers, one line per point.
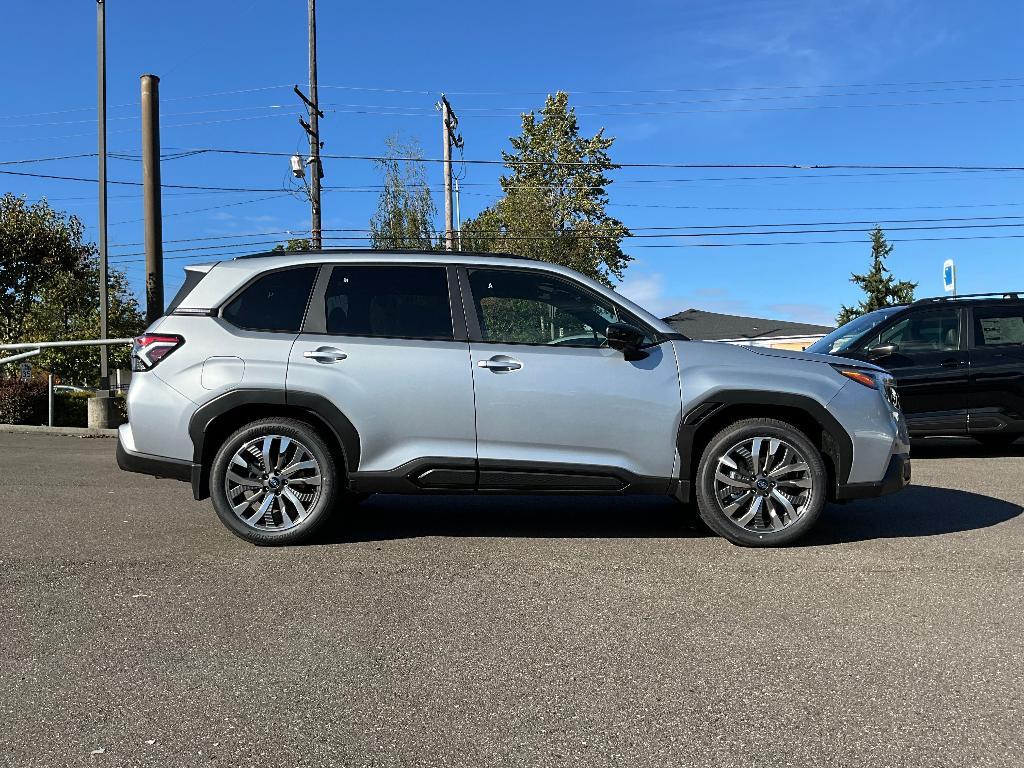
pixel 399 517
pixel 918 510
pixel 960 448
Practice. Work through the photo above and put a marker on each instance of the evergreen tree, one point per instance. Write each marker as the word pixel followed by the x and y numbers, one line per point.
pixel 405 212
pixel 555 198
pixel 880 286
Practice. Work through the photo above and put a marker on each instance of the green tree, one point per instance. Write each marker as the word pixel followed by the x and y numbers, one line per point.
pixel 555 198
pixel 49 290
pixel 295 244
pixel 68 308
pixel 405 211
pixel 36 242
pixel 880 286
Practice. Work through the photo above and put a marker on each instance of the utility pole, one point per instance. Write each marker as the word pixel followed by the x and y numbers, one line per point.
pixel 151 197
pixel 458 215
pixel 312 129
pixel 449 124
pixel 101 72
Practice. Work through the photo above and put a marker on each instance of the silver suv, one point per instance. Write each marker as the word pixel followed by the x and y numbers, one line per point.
pixel 288 386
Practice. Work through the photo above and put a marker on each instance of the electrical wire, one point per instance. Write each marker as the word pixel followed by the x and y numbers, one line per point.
pixel 222 254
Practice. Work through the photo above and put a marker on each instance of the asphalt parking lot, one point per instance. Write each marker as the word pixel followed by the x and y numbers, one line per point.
pixel 136 630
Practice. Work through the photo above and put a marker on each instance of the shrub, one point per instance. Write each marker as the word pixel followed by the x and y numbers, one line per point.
pixel 22 402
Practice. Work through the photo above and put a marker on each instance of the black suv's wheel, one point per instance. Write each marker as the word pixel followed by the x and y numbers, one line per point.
pixel 274 481
pixel 761 483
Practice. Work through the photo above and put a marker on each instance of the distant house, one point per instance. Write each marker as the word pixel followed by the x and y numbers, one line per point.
pixel 755 331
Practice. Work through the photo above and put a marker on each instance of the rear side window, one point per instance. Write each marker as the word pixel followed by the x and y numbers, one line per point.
pixel 999 326
pixel 275 302
pixel 389 301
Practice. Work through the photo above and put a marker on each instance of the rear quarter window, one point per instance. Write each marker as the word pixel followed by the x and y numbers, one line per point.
pixel 275 301
pixel 192 279
pixel 999 326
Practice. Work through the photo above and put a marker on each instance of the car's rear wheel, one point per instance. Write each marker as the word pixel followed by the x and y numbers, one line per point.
pixel 761 483
pixel 274 482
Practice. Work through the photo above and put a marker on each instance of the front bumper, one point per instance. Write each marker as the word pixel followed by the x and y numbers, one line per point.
pixel 897 477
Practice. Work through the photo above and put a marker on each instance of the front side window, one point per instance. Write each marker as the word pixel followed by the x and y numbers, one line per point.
pixel 846 336
pixel 389 301
pixel 937 331
pixel 274 302
pixel 518 307
pixel 999 326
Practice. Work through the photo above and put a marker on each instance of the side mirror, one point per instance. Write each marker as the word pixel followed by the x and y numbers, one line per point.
pixel 883 351
pixel 627 339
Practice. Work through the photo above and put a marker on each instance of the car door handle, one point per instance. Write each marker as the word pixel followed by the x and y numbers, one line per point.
pixel 324 354
pixel 951 363
pixel 500 364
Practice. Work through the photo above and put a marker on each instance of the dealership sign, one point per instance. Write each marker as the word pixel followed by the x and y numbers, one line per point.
pixel 949 276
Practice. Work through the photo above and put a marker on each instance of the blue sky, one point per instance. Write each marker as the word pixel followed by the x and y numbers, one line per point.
pixel 790 82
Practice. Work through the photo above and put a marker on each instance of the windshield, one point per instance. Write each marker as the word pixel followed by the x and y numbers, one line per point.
pixel 845 336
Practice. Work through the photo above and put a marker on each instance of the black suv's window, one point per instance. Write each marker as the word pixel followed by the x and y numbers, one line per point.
pixel 518 307
pixel 275 302
pixel 931 331
pixel 847 336
pixel 999 326
pixel 395 302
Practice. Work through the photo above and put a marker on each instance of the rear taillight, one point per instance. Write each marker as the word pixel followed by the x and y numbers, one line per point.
pixel 150 348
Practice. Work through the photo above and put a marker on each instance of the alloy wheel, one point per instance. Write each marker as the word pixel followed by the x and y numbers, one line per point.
pixel 763 484
pixel 273 482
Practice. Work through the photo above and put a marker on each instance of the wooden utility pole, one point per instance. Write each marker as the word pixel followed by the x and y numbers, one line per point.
pixel 447 139
pixel 153 217
pixel 314 133
pixel 449 123
pixel 101 109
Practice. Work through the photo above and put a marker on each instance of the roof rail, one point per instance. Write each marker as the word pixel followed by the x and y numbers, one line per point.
pixel 411 251
pixel 996 295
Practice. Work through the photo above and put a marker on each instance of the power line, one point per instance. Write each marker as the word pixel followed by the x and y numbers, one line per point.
pixel 139 183
pixel 571 91
pixel 194 151
pixel 699 166
pixel 831 242
pixel 200 210
pixel 702 228
pixel 663 235
pixel 241 252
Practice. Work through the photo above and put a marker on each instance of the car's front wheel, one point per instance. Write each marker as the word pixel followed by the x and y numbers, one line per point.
pixel 761 483
pixel 274 481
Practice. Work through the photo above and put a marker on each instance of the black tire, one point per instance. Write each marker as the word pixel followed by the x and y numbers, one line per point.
pixel 997 441
pixel 712 510
pixel 274 534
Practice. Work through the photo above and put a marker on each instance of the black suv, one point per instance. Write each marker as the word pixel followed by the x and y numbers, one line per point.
pixel 958 362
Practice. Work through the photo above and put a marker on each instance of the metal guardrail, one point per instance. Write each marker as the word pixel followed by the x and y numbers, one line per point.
pixel 35 347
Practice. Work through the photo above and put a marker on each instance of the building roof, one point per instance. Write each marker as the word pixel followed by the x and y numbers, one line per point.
pixel 712 326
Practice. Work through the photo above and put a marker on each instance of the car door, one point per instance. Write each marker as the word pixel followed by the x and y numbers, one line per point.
pixel 556 408
pixel 380 342
pixel 997 368
pixel 930 363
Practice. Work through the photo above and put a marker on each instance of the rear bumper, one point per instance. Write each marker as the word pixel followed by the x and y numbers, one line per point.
pixel 146 464
pixel 897 477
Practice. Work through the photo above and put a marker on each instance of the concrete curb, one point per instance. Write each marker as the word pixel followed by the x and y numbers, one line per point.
pixel 26 429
